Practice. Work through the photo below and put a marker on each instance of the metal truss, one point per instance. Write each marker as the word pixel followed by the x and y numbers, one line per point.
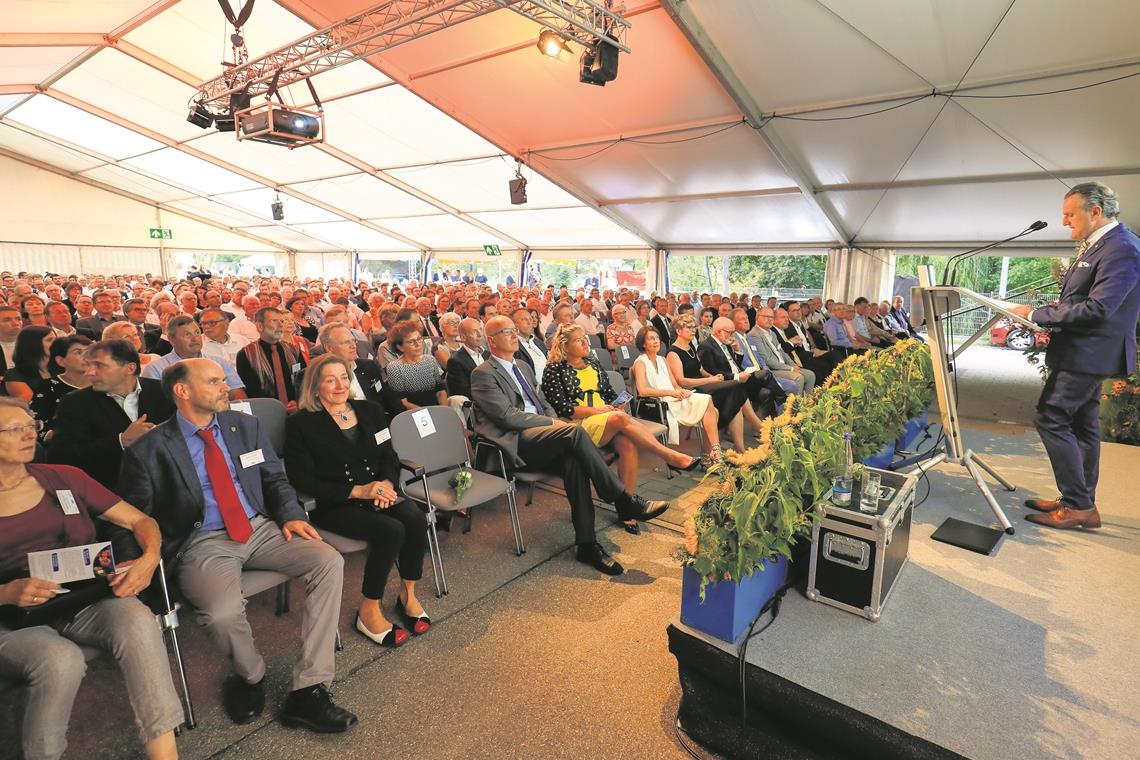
pixel 395 22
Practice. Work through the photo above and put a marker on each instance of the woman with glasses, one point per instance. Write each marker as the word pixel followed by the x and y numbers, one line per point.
pixel 35 515
pixel 414 379
pixel 339 450
pixel 729 397
pixel 128 332
pixel 449 341
pixel 620 332
pixel 29 371
pixel 580 391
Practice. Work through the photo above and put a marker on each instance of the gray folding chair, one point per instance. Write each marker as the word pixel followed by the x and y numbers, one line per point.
pixel 342 544
pixel 432 447
pixel 603 357
pixel 595 341
pixel 626 356
pixel 271 414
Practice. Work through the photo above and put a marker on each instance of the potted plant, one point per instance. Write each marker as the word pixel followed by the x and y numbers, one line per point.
pixel 738 543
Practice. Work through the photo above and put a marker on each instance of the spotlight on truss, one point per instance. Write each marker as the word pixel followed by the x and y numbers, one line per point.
pixel 277 208
pixel 599 63
pixel 200 116
pixel 552 44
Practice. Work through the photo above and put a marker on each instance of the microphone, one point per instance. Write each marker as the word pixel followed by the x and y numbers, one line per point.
pixel 950 275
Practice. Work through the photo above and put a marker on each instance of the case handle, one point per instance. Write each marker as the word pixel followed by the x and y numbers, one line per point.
pixel 845 550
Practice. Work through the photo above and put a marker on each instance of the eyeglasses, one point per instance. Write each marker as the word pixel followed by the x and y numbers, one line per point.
pixel 19 430
pixel 505 331
pixel 211 322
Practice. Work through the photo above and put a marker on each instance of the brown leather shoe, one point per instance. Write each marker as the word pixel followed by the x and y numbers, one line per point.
pixel 1043 506
pixel 1067 518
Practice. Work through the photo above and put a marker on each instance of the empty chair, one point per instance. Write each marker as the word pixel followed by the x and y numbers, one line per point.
pixel 604 358
pixel 271 414
pixel 626 356
pixel 432 447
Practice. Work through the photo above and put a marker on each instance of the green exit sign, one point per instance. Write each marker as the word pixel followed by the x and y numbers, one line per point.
pixel 161 234
pixel 492 250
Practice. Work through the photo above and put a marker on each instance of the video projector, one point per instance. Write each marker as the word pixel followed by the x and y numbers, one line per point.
pixel 276 124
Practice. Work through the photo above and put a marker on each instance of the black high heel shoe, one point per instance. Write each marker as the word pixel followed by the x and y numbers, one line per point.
pixel 420 624
pixel 694 464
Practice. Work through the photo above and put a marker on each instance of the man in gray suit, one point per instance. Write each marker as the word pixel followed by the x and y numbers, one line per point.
pixel 511 412
pixel 784 367
pixel 210 478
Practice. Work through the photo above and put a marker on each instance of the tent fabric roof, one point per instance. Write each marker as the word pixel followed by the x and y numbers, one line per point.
pixel 732 124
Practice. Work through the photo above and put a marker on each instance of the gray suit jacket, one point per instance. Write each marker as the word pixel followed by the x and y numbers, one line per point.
pixel 770 351
pixel 159 478
pixel 498 406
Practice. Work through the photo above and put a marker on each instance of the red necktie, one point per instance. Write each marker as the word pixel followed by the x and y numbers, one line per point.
pixel 279 376
pixel 229 505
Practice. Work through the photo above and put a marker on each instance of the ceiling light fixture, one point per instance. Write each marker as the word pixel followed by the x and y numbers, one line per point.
pixel 200 116
pixel 518 185
pixel 552 44
pixel 277 208
pixel 599 63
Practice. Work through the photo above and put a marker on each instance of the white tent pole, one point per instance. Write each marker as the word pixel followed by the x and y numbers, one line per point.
pixel 163 264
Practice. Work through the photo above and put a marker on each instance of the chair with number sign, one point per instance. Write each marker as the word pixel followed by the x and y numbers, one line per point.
pixel 432 450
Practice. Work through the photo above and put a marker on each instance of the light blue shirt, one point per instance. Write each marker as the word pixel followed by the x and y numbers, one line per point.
pixel 509 367
pixel 837 333
pixel 155 368
pixel 211 518
pixel 860 323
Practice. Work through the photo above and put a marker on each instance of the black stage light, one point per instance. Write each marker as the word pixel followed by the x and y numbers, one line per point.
pixel 552 44
pixel 224 122
pixel 200 116
pixel 278 210
pixel 599 64
pixel 518 190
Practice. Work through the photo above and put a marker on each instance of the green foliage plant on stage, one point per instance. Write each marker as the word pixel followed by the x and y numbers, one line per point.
pixel 1120 410
pixel 765 494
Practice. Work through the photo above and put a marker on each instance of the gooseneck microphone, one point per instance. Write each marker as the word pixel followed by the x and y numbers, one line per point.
pixel 950 275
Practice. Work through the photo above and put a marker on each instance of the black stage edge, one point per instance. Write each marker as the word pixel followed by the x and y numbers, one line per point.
pixel 785 720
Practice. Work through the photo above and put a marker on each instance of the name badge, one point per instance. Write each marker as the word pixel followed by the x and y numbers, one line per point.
pixel 241 406
pixel 295 368
pixel 1083 264
pixel 625 352
pixel 376 386
pixel 252 458
pixel 67 501
pixel 383 435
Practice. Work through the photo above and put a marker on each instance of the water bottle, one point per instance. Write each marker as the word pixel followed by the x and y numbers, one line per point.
pixel 841 485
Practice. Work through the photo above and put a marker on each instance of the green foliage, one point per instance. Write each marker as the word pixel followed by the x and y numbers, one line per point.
pixel 749 274
pixel 1120 410
pixel 982 274
pixel 764 501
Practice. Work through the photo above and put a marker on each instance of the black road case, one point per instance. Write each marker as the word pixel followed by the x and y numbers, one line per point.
pixel 856 557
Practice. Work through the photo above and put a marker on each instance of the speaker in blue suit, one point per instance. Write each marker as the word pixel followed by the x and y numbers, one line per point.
pixel 1094 337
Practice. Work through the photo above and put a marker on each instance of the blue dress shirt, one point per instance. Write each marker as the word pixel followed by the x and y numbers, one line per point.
pixel 211 518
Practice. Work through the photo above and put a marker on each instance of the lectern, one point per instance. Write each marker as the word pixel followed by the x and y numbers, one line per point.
pixel 938 301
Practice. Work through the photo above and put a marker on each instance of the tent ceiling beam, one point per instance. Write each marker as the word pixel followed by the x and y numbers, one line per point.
pixel 395 22
pixel 700 196
pixel 189 150
pixel 138 198
pixel 417 193
pixel 984 84
pixel 687 21
pixel 982 179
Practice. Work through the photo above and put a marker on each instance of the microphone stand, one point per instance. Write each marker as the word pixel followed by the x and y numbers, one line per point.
pixel 952 265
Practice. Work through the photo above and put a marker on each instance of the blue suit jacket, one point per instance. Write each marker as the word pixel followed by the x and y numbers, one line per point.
pixel 1096 313
pixel 159 478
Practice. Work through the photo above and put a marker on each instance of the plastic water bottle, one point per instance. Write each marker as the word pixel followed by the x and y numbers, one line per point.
pixel 841 485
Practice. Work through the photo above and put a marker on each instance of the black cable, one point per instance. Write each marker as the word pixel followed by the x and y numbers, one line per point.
pixel 680 733
pixel 915 99
pixel 1048 92
pixel 773 606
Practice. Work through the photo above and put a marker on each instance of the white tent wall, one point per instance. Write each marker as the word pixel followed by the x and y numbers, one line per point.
pixel 852 273
pixel 75 259
pixel 323 265
pixel 50 208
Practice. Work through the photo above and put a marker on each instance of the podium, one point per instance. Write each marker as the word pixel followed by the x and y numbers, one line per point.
pixel 939 301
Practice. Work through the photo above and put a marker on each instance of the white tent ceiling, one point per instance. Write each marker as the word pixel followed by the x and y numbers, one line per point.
pixel 733 123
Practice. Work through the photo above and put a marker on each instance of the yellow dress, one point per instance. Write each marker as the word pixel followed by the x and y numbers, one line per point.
pixel 594 426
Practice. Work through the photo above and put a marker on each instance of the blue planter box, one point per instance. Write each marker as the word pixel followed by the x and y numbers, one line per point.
pixel 912 431
pixel 883 459
pixel 729 607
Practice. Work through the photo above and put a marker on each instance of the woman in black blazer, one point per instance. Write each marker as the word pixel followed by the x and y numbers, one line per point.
pixel 339 451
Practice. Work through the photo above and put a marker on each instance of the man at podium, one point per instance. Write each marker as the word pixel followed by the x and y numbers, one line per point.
pixel 1094 337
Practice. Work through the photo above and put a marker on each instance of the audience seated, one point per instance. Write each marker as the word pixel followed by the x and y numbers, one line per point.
pixel 719 356
pixel 902 317
pixel 135 310
pixel 267 367
pixel 799 342
pixel 510 412
pixel 29 371
pixel 469 356
pixel 43 655
pixel 68 363
pixel 218 340
pixel 186 339
pixel 620 331
pixel 93 426
pixel 339 450
pixel 104 314
pixel 10 325
pixel 243 325
pixel 414 378
pixel 211 479
pixel 867 329
pixel 448 342
pixel 363 375
pixel 654 384
pixel 532 350
pixel 579 391
pixel 781 364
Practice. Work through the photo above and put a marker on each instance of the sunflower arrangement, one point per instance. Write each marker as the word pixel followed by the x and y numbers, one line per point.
pixel 1120 410
pixel 762 505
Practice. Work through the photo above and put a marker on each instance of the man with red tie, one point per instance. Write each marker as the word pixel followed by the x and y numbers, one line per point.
pixel 211 480
pixel 269 367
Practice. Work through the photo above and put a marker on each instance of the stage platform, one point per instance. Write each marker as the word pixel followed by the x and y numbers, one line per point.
pixel 1028 653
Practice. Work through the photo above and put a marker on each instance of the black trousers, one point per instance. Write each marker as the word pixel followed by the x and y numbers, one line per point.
pixel 1068 421
pixel 567 451
pixel 398 532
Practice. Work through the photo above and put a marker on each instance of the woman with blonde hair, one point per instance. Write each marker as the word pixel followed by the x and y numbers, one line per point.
pixel 579 390
pixel 128 332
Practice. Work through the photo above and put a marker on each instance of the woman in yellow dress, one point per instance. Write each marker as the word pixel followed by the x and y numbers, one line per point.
pixel 579 390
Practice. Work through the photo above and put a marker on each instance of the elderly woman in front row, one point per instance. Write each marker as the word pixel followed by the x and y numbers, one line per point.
pixel 339 450
pixel 36 516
